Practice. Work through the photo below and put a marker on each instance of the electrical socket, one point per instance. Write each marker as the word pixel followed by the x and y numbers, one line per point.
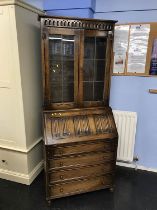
pixel 136 158
pixel 4 162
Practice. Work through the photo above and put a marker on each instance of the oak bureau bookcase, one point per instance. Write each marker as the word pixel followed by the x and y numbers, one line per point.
pixel 80 136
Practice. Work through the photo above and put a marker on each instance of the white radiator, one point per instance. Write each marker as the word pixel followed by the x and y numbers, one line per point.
pixel 126 126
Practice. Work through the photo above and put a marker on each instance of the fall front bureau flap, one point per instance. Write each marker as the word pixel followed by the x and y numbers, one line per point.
pixel 78 124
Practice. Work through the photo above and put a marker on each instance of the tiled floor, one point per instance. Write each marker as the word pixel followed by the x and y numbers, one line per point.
pixel 135 190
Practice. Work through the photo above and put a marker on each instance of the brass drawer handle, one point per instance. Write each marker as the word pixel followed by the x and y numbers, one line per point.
pixel 50 153
pixel 61 164
pixel 61 176
pixel 60 152
pixel 61 190
pixel 103 182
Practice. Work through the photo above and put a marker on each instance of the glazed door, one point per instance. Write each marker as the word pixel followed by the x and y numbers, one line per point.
pixel 61 68
pixel 95 71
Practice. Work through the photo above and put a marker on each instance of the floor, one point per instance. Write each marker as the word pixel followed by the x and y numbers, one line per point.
pixel 135 190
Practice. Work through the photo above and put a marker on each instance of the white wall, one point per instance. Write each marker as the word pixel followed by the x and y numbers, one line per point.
pixel 28 35
pixel 131 93
pixel 37 3
pixel 12 132
pixel 20 94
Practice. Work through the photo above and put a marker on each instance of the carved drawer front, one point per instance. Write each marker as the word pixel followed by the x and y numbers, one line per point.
pixel 86 159
pixel 93 170
pixel 79 186
pixel 80 148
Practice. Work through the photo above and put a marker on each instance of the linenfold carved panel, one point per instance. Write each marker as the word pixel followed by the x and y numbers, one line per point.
pixel 63 127
pixel 81 125
pixel 103 123
pixel 60 127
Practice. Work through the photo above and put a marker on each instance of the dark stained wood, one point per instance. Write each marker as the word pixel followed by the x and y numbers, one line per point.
pixel 43 17
pixel 76 67
pixel 107 80
pixel 85 159
pixel 154 91
pixel 81 55
pixel 45 64
pixel 57 176
pixel 78 23
pixel 80 137
pixel 79 148
pixel 80 186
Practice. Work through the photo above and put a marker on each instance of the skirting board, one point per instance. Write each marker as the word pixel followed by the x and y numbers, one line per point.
pixel 21 166
pixel 22 178
pixel 137 167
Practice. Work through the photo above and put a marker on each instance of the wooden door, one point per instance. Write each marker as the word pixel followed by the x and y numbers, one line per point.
pixel 60 48
pixel 94 71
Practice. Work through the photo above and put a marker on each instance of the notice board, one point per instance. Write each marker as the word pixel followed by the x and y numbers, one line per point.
pixel 133 45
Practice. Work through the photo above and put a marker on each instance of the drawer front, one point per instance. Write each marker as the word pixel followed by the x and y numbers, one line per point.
pixel 94 170
pixel 80 148
pixel 80 186
pixel 87 159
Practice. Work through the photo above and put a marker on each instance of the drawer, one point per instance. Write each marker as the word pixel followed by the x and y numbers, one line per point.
pixel 79 172
pixel 85 159
pixel 80 148
pixel 79 186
